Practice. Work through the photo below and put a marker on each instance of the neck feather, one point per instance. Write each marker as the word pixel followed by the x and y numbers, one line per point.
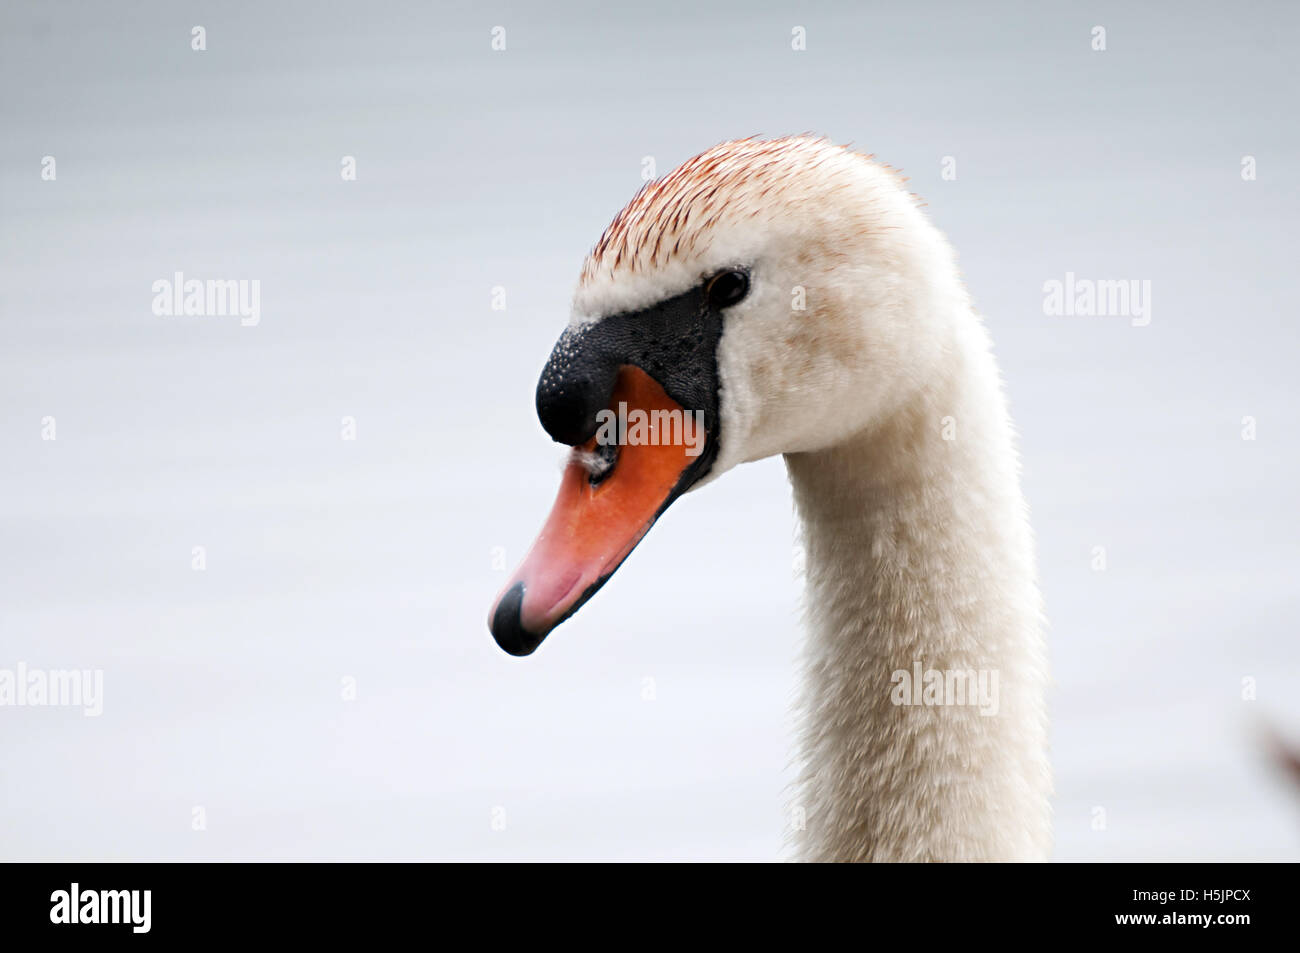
pixel 919 559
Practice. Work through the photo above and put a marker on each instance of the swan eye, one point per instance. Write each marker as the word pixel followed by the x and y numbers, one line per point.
pixel 726 288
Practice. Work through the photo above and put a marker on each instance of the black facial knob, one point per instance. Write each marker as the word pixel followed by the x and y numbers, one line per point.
pixel 575 386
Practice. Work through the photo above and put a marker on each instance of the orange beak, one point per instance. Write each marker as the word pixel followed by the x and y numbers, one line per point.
pixel 595 523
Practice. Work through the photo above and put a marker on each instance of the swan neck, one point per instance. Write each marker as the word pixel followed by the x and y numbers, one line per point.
pixel 924 727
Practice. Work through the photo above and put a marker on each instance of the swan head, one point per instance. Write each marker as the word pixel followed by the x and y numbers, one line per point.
pixel 765 297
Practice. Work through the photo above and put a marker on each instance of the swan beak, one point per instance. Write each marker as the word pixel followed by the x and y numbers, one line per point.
pixel 595 523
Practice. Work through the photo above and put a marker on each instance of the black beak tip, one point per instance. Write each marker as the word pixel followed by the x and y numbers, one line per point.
pixel 507 628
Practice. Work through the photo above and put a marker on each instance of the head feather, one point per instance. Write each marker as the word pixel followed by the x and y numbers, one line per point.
pixel 678 214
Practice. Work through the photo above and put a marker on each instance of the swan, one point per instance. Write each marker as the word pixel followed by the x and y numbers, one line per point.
pixel 791 296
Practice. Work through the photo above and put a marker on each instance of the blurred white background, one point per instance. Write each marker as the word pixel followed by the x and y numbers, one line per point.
pixel 373 559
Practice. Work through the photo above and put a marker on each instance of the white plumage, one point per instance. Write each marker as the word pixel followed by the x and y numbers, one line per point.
pixel 858 356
